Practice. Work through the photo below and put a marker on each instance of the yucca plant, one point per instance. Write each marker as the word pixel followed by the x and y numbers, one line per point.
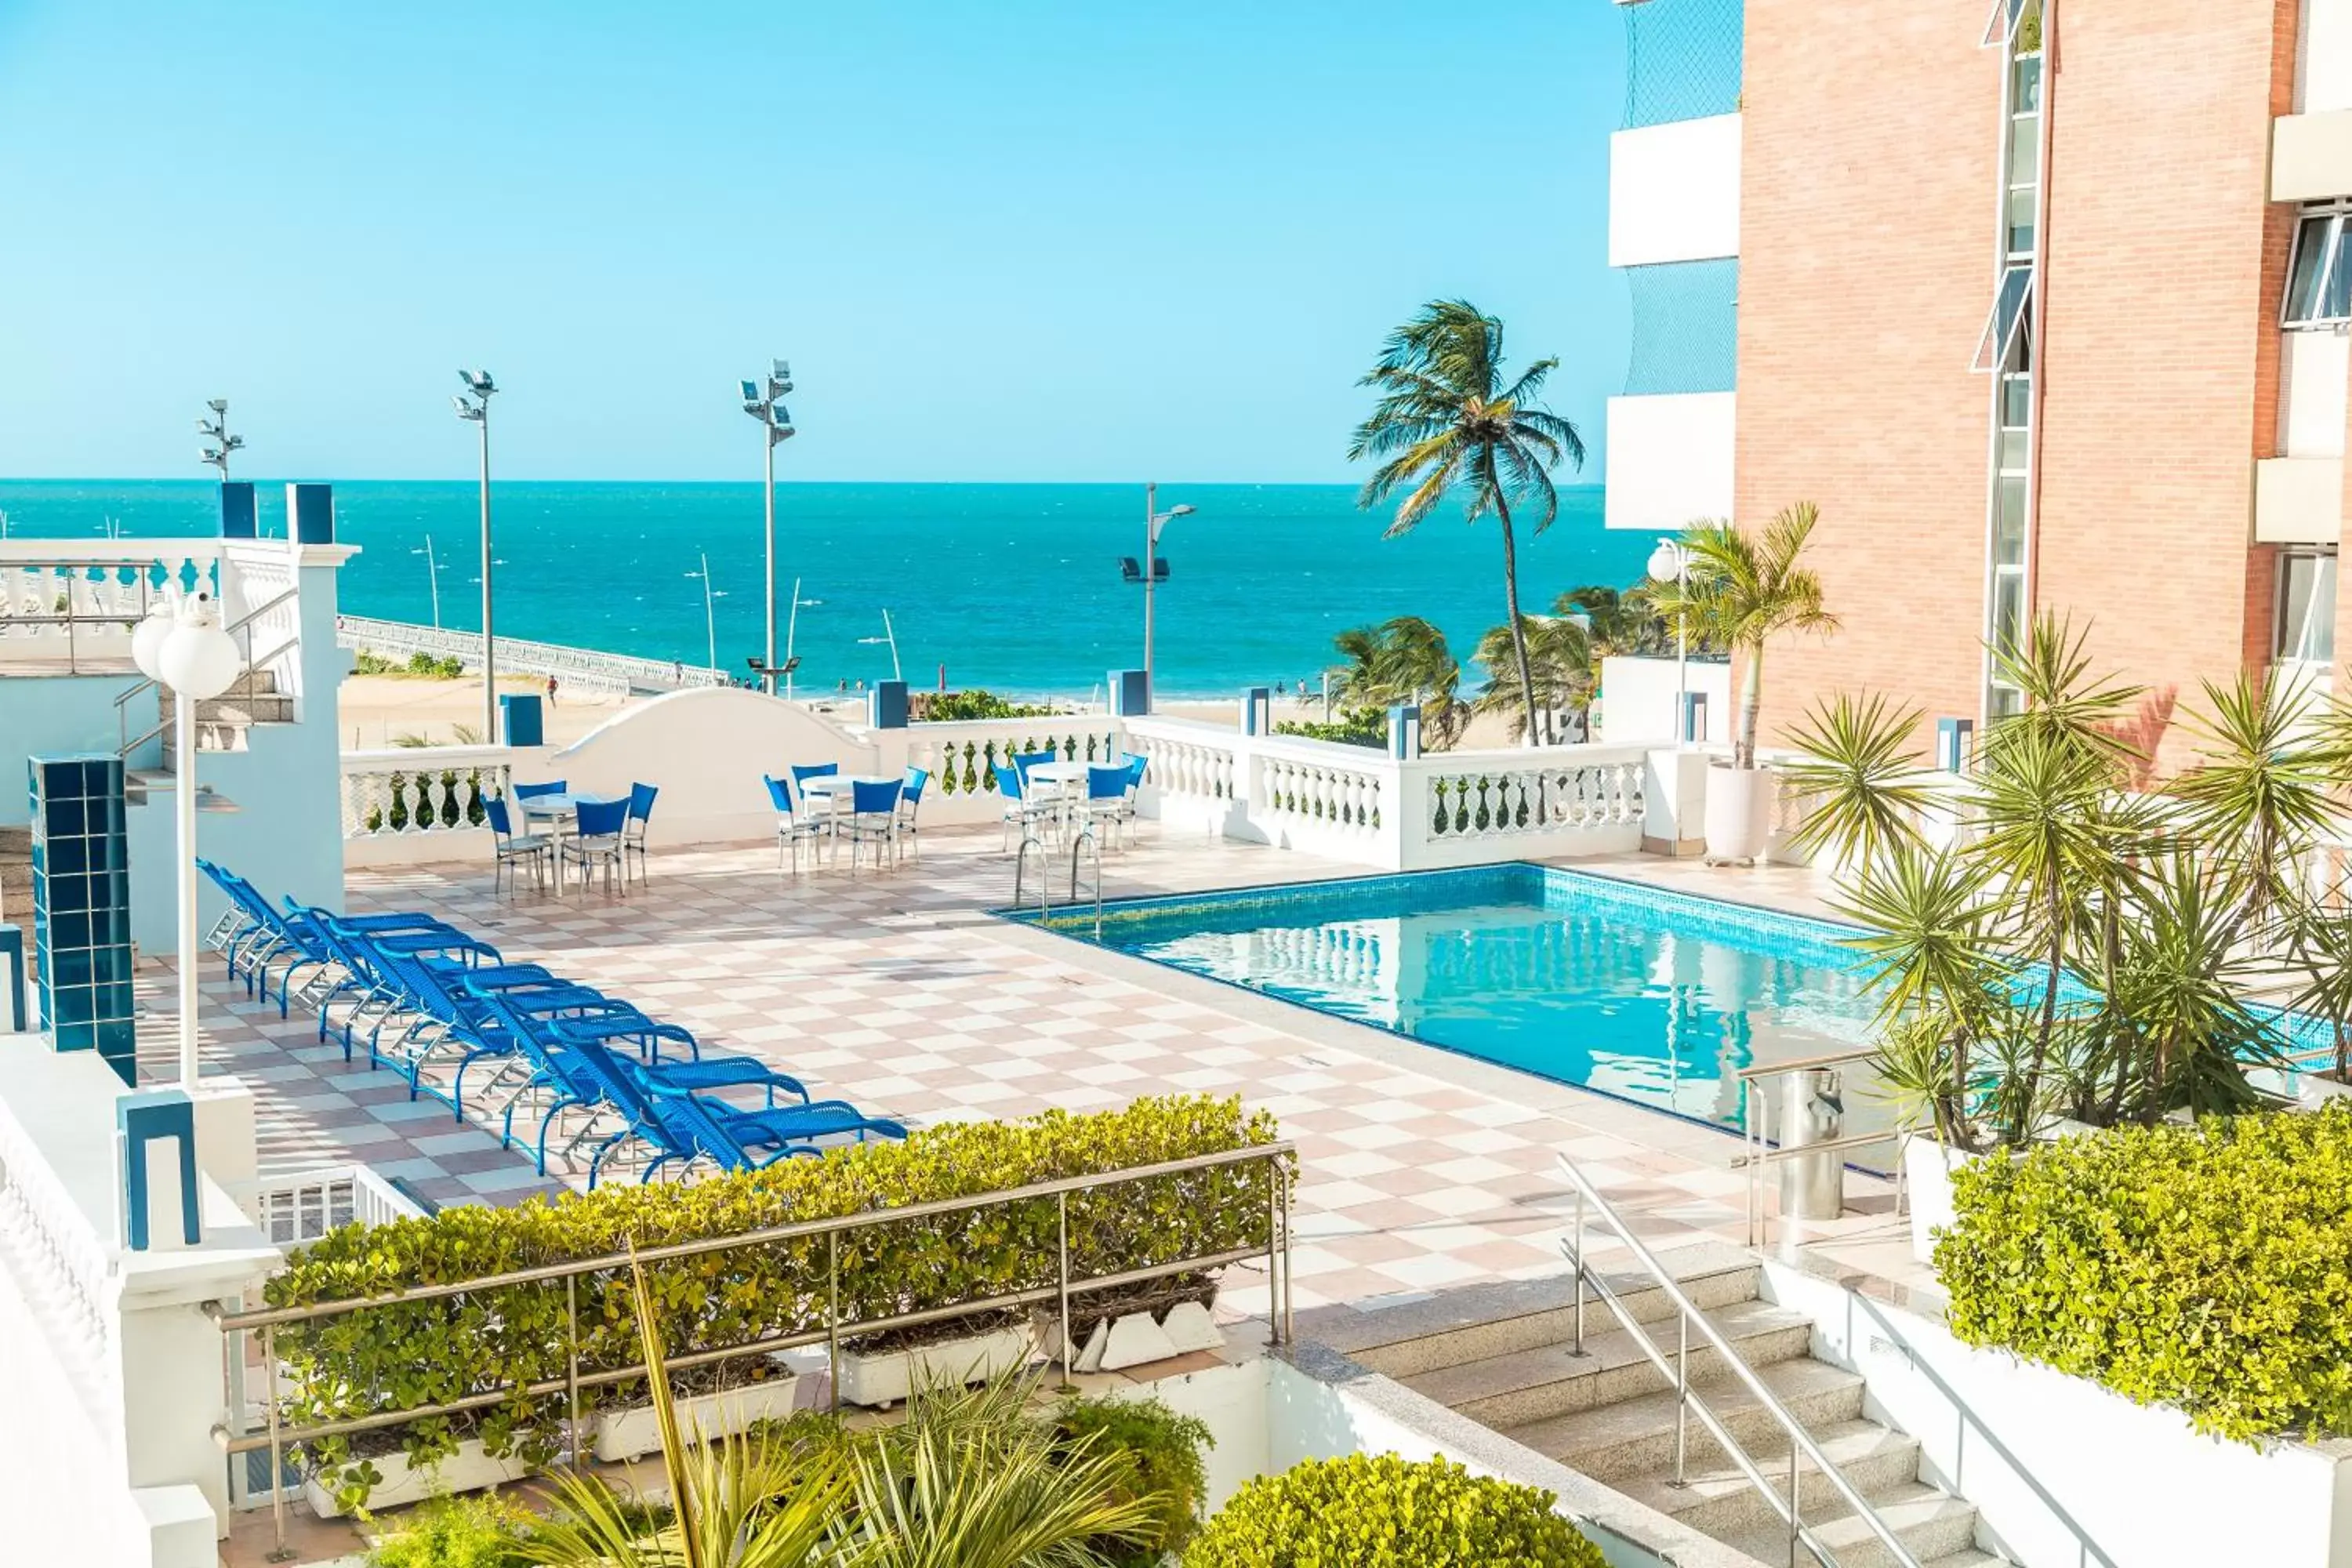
pixel 1865 784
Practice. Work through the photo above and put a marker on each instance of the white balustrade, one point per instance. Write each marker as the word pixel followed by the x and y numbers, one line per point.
pixel 74 603
pixel 417 791
pixel 588 670
pixel 1534 793
pixel 57 1260
pixel 302 1207
pixel 962 756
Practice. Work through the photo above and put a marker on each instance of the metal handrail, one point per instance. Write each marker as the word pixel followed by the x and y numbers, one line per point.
pixel 242 624
pixel 1085 840
pixel 1276 1252
pixel 1687 1401
pixel 1797 1064
pixel 1044 870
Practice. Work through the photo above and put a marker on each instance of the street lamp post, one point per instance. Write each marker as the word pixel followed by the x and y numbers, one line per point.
pixel 181 645
pixel 432 578
pixel 474 405
pixel 768 410
pixel 710 612
pixel 215 432
pixel 1671 560
pixel 890 637
pixel 1154 520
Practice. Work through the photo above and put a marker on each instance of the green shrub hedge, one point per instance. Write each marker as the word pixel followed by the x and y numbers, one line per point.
pixel 403 1355
pixel 2209 1268
pixel 1387 1511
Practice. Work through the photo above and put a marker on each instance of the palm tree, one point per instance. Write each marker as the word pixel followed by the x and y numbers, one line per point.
pixel 1560 658
pixel 1404 659
pixel 1741 592
pixel 1450 419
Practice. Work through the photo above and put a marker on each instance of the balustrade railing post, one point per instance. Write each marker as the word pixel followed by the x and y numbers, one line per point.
pixel 1273 1259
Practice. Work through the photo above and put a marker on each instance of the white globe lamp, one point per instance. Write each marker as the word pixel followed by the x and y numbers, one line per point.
pixel 148 637
pixel 197 660
pixel 1668 563
pixel 1666 560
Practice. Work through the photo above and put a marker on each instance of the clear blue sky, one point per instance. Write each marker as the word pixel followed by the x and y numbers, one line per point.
pixel 1023 240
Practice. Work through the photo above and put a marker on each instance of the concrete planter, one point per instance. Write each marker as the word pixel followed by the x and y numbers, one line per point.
pixel 874 1381
pixel 1928 1168
pixel 1738 813
pixel 2316 1091
pixel 469 1469
pixel 633 1434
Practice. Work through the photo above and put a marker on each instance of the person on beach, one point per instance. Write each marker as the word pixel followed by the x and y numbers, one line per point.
pixel 551 692
pixel 678 672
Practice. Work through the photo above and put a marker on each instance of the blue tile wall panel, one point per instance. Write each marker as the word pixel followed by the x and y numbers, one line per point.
pixel 81 907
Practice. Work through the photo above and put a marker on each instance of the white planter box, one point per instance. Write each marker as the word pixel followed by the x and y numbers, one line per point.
pixel 879 1379
pixel 633 1434
pixel 469 1469
pixel 2313 1092
pixel 1928 1168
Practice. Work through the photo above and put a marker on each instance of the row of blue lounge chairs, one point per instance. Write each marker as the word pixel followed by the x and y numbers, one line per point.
pixel 604 1080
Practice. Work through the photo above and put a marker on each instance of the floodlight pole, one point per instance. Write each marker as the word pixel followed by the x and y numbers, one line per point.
pixel 489 636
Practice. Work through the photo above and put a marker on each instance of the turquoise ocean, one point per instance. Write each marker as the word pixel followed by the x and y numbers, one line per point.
pixel 1012 587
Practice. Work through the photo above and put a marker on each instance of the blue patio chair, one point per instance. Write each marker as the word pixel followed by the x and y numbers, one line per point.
pixel 910 799
pixel 1107 801
pixel 1035 789
pixel 873 818
pixel 793 829
pixel 1022 812
pixel 513 850
pixel 809 812
pixel 533 791
pixel 632 831
pixel 596 840
pixel 691 1129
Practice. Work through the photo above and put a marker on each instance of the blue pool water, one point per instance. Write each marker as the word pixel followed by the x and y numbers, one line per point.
pixel 1652 996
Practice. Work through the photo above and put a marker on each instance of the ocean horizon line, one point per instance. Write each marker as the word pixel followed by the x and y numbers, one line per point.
pixel 499 480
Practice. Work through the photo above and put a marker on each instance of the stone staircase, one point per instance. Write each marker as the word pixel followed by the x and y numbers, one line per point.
pixel 1610 1414
pixel 224 723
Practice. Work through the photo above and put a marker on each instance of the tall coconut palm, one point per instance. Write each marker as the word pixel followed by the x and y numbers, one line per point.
pixel 1451 421
pixel 1740 592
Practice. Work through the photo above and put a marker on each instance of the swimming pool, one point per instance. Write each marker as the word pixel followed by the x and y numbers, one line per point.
pixel 1653 996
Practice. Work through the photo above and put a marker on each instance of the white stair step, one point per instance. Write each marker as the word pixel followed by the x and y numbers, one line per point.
pixel 1527 1385
pixel 1720 1500
pixel 1613 1442
pixel 1930 1523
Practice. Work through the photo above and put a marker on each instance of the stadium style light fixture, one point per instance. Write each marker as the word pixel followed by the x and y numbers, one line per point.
pixel 765 403
pixel 474 406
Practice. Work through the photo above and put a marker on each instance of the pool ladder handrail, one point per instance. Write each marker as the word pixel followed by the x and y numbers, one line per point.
pixel 1020 875
pixel 1087 842
pixel 1688 1401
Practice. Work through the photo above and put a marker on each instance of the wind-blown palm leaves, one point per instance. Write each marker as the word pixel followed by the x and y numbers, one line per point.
pixel 1739 592
pixel 1403 659
pixel 1559 668
pixel 2077 948
pixel 1452 421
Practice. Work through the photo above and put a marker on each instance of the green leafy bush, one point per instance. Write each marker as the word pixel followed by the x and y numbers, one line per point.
pixel 2208 1269
pixel 1382 1510
pixel 960 707
pixel 1354 727
pixel 1157 1453
pixel 485 1532
pixel 402 1355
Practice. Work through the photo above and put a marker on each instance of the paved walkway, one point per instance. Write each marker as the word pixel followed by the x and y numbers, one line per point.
pixel 1422 1171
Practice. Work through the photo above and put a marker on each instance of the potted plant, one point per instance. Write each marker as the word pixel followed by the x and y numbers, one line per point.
pixel 1739 592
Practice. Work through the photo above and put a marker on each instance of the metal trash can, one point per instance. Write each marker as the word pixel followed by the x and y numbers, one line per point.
pixel 1812 1186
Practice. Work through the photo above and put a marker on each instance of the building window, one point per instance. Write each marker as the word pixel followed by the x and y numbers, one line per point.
pixel 2305 617
pixel 2319 282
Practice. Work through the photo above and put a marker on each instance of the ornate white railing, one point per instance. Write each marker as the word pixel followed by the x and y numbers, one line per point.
pixel 73 603
pixel 1495 795
pixel 1315 795
pixel 962 756
pixel 1195 763
pixel 413 790
pixel 304 1205
pixel 57 1259
pixel 588 670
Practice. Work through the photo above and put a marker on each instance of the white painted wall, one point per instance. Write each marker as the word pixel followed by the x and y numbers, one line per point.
pixel 1669 459
pixel 1635 705
pixel 2310 393
pixel 2325 66
pixel 2067 1475
pixel 1674 191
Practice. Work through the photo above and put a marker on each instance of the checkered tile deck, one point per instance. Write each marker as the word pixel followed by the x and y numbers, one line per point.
pixel 896 991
